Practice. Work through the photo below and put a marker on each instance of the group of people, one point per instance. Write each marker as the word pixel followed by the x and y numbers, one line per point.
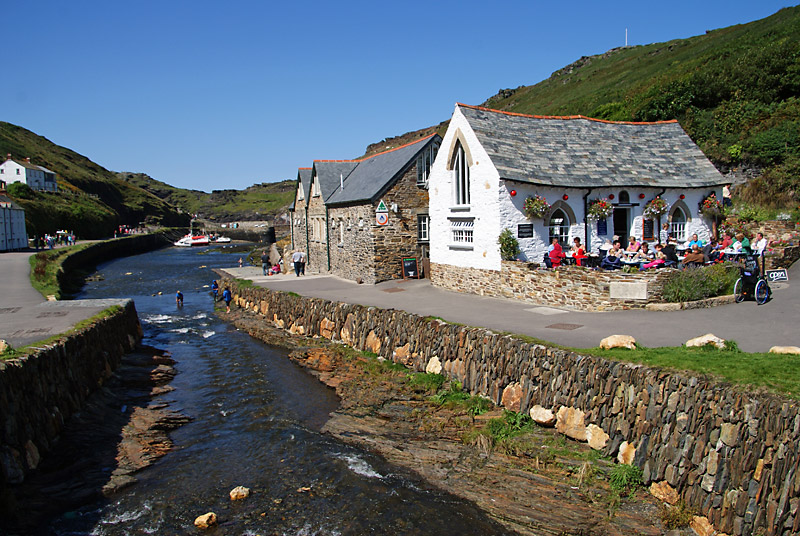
pixel 267 267
pixel 227 297
pixel 664 253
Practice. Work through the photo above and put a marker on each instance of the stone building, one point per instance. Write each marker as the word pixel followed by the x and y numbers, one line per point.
pixel 37 177
pixel 359 219
pixel 493 161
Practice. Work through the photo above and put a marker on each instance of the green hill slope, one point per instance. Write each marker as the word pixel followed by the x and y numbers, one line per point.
pixel 262 201
pixel 92 201
pixel 734 90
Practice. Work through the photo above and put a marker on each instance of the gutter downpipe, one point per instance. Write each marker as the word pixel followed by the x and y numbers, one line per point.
pixel 306 248
pixel 328 237
pixel 658 220
pixel 586 220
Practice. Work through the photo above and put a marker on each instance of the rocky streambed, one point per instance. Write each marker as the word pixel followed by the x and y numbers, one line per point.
pixel 539 483
pixel 118 432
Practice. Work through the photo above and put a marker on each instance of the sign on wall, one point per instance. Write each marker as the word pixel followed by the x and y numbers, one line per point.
pixel 381 214
pixel 602 227
pixel 525 230
pixel 648 230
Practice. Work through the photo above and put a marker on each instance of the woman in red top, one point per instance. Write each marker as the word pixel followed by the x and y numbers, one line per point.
pixel 556 254
pixel 577 251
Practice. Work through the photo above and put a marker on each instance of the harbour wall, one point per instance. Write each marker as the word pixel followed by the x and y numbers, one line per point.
pixel 731 455
pixel 40 391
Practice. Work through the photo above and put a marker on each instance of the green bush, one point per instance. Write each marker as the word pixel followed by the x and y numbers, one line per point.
pixel 700 283
pixel 511 424
pixel 20 190
pixel 509 246
pixel 625 479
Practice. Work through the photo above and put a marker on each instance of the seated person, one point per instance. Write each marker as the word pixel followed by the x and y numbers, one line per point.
pixel 644 254
pixel 760 244
pixel 577 252
pixel 694 257
pixel 726 241
pixel 556 254
pixel 659 259
pixel 694 242
pixel 616 249
pixel 744 243
pixel 633 246
pixel 611 262
pixel 670 256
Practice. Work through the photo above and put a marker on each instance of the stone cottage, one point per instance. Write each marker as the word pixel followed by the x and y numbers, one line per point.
pixel 493 161
pixel 359 219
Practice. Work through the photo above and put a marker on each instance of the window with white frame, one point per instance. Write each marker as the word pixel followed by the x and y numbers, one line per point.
pixel 460 176
pixel 461 231
pixel 559 227
pixel 678 224
pixel 423 225
pixel 424 162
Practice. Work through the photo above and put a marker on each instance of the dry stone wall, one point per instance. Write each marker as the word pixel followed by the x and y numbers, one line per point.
pixel 733 456
pixel 568 286
pixel 39 392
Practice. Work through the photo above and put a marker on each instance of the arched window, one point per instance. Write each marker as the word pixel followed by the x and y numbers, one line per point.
pixel 678 224
pixel 460 176
pixel 624 197
pixel 559 227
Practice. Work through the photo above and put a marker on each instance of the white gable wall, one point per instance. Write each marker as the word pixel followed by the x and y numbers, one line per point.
pixel 483 210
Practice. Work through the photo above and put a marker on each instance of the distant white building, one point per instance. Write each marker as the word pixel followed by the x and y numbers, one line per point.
pixel 490 162
pixel 37 177
pixel 12 225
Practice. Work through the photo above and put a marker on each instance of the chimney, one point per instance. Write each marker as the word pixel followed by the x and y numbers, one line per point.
pixel 28 160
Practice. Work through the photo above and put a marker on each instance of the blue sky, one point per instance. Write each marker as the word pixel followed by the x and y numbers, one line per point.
pixel 227 94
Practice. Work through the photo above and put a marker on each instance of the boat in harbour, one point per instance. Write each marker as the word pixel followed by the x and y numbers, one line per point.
pixel 192 240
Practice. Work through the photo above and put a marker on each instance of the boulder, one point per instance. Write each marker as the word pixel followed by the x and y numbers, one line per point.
pixel 434 366
pixel 543 416
pixel 401 354
pixel 326 328
pixel 512 397
pixel 791 350
pixel 206 520
pixel 569 422
pixel 618 341
pixel 705 340
pixel 664 492
pixel 626 453
pixel 239 492
pixel 32 455
pixel 373 343
pixel 702 526
pixel 596 437
pixel 3 346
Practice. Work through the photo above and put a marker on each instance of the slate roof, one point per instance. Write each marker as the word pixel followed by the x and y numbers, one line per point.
pixel 376 174
pixel 304 180
pixel 579 152
pixel 330 172
pixel 26 165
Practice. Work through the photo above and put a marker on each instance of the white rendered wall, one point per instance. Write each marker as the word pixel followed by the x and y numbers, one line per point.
pixel 484 252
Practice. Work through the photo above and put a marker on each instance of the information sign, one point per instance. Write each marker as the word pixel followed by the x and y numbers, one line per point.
pixel 410 268
pixel 525 230
pixel 777 275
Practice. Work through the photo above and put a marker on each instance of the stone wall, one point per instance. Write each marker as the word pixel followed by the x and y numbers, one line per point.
pixel 39 392
pixel 353 242
pixel 568 286
pixel 731 455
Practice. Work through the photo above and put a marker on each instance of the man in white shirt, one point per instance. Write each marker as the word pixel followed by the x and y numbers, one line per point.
pixel 297 261
pixel 760 244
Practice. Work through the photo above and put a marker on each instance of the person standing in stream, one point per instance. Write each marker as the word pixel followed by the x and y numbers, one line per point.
pixel 226 297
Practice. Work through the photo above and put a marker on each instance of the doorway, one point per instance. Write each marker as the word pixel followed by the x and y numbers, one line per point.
pixel 621 228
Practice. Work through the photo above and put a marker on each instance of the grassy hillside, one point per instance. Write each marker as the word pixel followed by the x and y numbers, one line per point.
pixel 92 201
pixel 258 202
pixel 736 92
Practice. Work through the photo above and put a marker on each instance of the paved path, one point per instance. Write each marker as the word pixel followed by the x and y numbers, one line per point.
pixel 25 316
pixel 754 328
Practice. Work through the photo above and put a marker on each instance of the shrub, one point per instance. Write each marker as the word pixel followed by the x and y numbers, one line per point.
pixel 676 516
pixel 625 479
pixel 700 283
pixel 509 246
pixel 511 424
pixel 427 381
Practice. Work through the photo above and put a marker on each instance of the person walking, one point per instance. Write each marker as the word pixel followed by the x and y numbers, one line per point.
pixel 264 262
pixel 297 258
pixel 240 262
pixel 302 263
pixel 226 297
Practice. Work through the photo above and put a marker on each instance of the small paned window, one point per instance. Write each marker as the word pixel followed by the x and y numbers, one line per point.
pixel 423 224
pixel 559 227
pixel 678 224
pixel 461 231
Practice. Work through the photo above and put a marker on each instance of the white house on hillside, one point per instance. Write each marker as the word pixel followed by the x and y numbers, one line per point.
pixel 490 162
pixel 37 177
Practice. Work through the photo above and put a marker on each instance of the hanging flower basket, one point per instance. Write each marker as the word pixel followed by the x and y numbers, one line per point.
pixel 655 208
pixel 711 207
pixel 535 207
pixel 600 209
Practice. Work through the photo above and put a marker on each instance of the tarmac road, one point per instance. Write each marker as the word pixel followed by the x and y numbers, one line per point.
pixel 754 328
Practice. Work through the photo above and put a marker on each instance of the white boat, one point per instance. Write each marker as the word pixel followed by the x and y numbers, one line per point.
pixel 222 240
pixel 192 240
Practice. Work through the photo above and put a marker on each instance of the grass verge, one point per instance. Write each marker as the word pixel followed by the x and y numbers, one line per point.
pixel 45 266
